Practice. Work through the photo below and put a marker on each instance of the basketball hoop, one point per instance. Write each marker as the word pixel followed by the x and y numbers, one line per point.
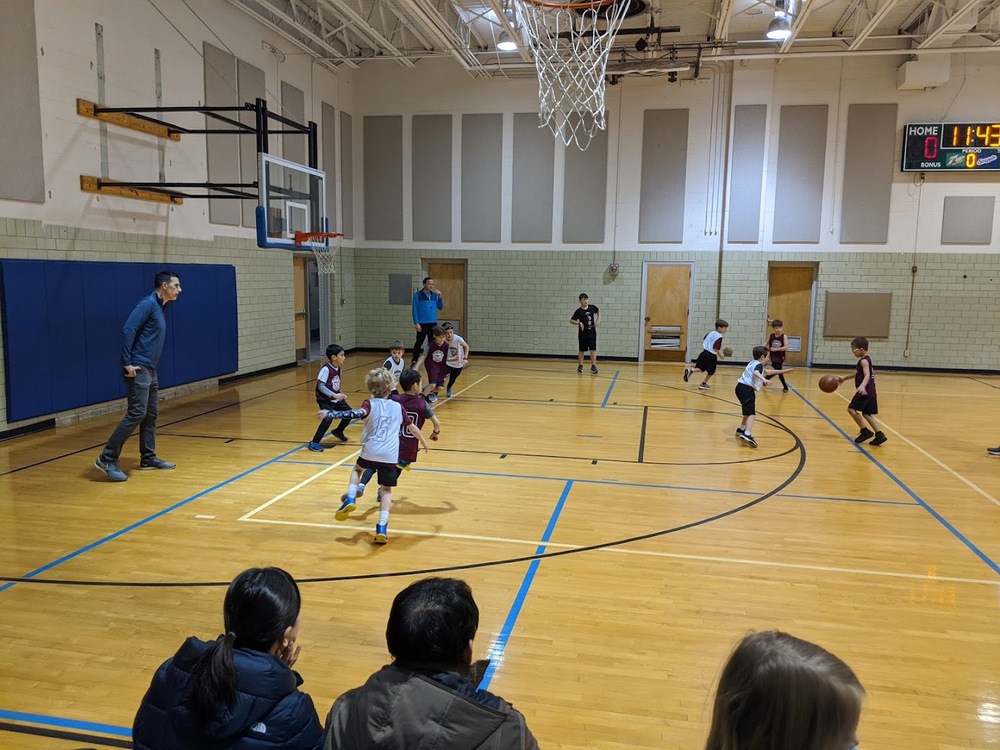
pixel 325 252
pixel 571 57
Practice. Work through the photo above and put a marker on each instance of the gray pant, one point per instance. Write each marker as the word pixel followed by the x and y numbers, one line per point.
pixel 143 407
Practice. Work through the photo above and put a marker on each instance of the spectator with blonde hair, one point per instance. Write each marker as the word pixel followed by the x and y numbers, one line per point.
pixel 778 692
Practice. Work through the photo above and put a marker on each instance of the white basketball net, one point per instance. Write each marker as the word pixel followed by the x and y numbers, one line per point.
pixel 571 57
pixel 326 257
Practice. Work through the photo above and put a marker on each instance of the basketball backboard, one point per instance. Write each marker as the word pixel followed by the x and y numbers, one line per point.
pixel 292 198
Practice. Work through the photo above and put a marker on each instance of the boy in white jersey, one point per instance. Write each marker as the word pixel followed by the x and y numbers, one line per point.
pixel 380 447
pixel 394 363
pixel 711 353
pixel 458 355
pixel 755 376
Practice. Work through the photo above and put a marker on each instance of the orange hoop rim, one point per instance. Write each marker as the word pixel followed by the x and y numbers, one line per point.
pixel 570 6
pixel 302 238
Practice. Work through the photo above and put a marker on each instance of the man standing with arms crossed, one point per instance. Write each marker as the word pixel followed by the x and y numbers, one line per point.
pixel 426 303
pixel 142 344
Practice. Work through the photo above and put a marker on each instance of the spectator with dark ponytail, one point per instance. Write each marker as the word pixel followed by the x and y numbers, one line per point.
pixel 238 692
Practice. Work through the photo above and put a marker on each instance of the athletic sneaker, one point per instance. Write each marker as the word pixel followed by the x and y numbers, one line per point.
pixel 687 374
pixel 315 447
pixel 381 533
pixel 111 468
pixel 449 393
pixel 593 369
pixel 879 438
pixel 784 390
pixel 704 387
pixel 994 451
pixel 864 435
pixel 432 399
pixel 156 463
pixel 739 431
pixel 748 439
pixel 347 504
pixel 579 368
pixel 339 435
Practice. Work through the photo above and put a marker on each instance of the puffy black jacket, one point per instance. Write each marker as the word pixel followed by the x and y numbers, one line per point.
pixel 269 710
pixel 398 709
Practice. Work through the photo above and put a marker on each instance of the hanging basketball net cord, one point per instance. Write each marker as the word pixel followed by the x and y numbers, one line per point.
pixel 325 252
pixel 571 56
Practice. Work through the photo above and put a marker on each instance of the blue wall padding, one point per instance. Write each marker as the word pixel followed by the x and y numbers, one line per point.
pixel 62 329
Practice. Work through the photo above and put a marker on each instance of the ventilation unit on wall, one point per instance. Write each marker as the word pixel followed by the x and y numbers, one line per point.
pixel 927 72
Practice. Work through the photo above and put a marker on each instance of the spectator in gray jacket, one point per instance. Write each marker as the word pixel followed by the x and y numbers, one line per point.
pixel 427 697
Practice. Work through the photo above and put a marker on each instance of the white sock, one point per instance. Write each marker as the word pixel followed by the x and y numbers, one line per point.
pixel 352 491
pixel 383 517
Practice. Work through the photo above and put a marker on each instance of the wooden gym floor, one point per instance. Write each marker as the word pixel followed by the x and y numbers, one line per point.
pixel 618 539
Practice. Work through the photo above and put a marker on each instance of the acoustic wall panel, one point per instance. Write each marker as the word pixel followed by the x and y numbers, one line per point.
pixel 383 167
pixel 223 151
pixel 79 308
pixel 431 178
pixel 967 220
pixel 585 191
pixel 482 164
pixel 328 159
pixel 798 193
pixel 664 175
pixel 746 172
pixel 294 147
pixel 869 164
pixel 22 176
pixel 533 178
pixel 347 174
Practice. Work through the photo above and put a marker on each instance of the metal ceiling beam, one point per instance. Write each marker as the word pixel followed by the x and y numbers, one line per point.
pixel 250 7
pixel 720 32
pixel 508 25
pixel 873 23
pixel 948 23
pixel 359 24
pixel 805 8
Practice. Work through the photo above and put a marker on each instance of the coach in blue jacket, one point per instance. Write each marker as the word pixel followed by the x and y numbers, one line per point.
pixel 426 303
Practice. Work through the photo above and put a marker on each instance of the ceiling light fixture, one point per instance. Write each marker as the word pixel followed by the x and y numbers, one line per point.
pixel 505 43
pixel 779 29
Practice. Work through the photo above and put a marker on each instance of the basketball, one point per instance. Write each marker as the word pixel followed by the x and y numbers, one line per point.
pixel 829 383
pixel 728 351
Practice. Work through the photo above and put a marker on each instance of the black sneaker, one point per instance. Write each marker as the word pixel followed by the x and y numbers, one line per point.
pixel 156 463
pixel 748 439
pixel 994 451
pixel 739 431
pixel 579 368
pixel 593 369
pixel 879 438
pixel 864 435
pixel 339 435
pixel 111 468
pixel 687 374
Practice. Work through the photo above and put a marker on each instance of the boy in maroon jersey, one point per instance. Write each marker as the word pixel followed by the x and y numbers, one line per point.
pixel 435 357
pixel 864 405
pixel 329 396
pixel 417 408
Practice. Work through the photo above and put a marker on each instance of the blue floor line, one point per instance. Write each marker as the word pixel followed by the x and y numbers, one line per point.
pixel 920 501
pixel 500 645
pixel 55 721
pixel 147 519
pixel 611 387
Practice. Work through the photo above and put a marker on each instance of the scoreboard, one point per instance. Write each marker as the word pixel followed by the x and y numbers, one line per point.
pixel 949 146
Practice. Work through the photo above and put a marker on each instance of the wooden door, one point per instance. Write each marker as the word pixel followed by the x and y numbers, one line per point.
pixel 668 290
pixel 789 299
pixel 449 279
pixel 301 314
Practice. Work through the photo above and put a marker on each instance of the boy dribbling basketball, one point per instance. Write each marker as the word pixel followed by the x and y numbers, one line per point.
pixel 864 405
